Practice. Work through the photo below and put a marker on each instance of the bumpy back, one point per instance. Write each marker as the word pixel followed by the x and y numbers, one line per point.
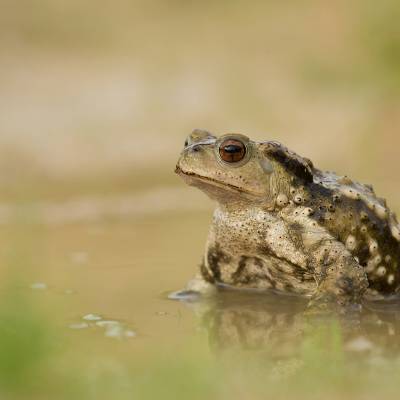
pixel 350 211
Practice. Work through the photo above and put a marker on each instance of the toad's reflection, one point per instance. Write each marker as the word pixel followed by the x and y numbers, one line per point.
pixel 254 321
pixel 279 324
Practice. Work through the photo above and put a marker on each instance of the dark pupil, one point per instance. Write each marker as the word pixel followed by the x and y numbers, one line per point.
pixel 232 151
pixel 231 148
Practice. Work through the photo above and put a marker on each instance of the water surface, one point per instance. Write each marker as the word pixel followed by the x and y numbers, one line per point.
pixel 85 303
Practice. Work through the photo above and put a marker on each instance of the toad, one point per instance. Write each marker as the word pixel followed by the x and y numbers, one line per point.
pixel 282 224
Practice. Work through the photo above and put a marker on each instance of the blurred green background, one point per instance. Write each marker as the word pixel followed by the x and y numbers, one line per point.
pixel 96 99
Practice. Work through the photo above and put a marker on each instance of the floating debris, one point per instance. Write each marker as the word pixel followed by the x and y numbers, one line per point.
pixel 114 331
pixel 92 317
pixel 118 332
pixel 38 286
pixel 111 328
pixel 105 324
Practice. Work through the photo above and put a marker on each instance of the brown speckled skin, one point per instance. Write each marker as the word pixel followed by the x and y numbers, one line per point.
pixel 281 223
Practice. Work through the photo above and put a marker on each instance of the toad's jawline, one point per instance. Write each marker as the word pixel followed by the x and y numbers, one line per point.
pixel 206 179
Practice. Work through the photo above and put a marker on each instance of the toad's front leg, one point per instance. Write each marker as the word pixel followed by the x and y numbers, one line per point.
pixel 341 280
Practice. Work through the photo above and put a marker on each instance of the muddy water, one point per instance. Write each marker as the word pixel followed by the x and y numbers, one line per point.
pixel 107 276
pixel 112 263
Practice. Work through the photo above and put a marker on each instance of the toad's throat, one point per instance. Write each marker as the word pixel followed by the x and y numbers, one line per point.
pixel 215 182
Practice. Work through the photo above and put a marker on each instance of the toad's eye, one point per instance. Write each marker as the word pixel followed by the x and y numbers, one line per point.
pixel 232 150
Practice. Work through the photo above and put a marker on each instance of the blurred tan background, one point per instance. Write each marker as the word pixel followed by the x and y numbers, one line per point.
pixel 96 97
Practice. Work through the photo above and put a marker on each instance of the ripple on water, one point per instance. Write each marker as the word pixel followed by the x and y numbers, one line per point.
pixel 185 295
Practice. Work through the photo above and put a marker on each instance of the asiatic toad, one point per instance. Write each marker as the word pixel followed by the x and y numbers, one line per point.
pixel 281 223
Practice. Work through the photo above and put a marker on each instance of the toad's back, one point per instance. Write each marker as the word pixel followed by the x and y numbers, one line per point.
pixel 358 218
pixel 352 213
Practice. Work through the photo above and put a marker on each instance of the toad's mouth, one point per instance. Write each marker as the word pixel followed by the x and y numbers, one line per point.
pixel 214 182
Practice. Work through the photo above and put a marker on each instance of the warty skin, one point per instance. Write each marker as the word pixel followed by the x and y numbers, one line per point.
pixel 282 224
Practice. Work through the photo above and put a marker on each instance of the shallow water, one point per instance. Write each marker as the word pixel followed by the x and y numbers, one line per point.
pixel 120 268
pixel 109 278
pixel 91 285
